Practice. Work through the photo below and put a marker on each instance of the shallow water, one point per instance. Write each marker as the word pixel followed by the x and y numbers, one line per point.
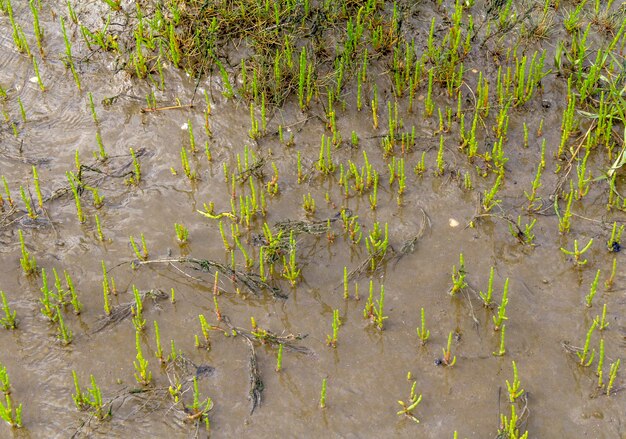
pixel 367 371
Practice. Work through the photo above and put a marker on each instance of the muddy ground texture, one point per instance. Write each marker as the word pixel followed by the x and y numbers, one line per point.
pixel 312 218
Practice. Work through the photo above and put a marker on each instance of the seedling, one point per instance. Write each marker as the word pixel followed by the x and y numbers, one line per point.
pixel 184 160
pixel 28 262
pixel 467 181
pixel 565 219
pixel 92 400
pixel 368 311
pixel 108 285
pixel 458 277
pixel 61 292
pixel 489 197
pixel 577 253
pixel 374 312
pixel 92 107
pixel 73 296
pixel 136 311
pixel 614 244
pixel 354 139
pixel 99 232
pixel 487 298
pixel 159 349
pixel 64 333
pixel 502 349
pixel 299 168
pixel 69 61
pixel 5 382
pixel 175 390
pixel 174 354
pixel 143 254
pixel 279 358
pixel 585 358
pixel 11 416
pixel 135 178
pixel 98 200
pixel 346 293
pixel 74 186
pixel 308 204
pixel 27 202
pixel 332 340
pixel 599 371
pixel 325 163
pixel 38 188
pixel 612 376
pixel 353 228
pixel 601 320
pixel 408 407
pixel 379 318
pixel 375 107
pixel 36 27
pixel 422 332
pixel 584 180
pixel 142 373
pixel 323 394
pixel 429 106
pixel 376 244
pixel 509 427
pixel 48 309
pixel 113 4
pixel 608 284
pixel 420 168
pixel 182 234
pixel 534 203
pixel 8 321
pixel 199 410
pixel 7 191
pixel 501 316
pixel 102 152
pixel 373 197
pixel 448 359
pixel 514 388
pixel 524 232
pixel 272 185
pixel 441 164
pixel 291 272
pixel 592 292
pixel 205 328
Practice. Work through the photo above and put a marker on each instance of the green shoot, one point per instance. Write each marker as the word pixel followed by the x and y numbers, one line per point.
pixel 8 321
pixel 448 359
pixel 142 374
pixel 514 388
pixel 487 298
pixel 592 292
pixel 577 253
pixel 332 340
pixel 408 407
pixel 323 394
pixel 422 332
pixel 501 316
pixel 585 358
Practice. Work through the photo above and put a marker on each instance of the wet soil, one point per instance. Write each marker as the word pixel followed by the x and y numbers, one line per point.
pixel 367 371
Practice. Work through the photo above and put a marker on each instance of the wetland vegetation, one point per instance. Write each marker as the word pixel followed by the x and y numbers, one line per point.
pixel 365 218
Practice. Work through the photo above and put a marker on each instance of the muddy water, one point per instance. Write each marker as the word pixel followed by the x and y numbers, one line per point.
pixel 367 371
